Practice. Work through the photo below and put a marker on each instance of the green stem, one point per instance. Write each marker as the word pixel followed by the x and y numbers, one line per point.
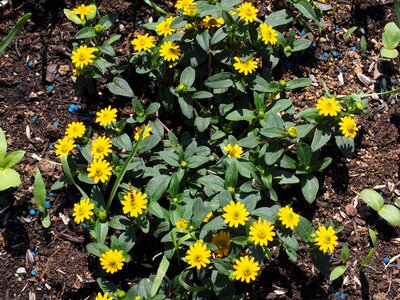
pixel 123 171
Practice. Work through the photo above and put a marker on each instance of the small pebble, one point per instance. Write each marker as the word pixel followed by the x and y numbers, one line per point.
pixel 386 260
pixel 353 48
pixel 58 75
pixel 34 118
pixel 39 213
pixel 32 211
pixel 78 147
pixel 33 272
pixel 47 204
pixel 85 225
pixel 335 54
pixel 51 194
pixel 36 249
pixel 343 296
pixel 344 69
pixel 51 147
pixel 55 124
pixel 50 88
pixel 326 54
pixel 319 57
pixel 356 59
pixel 30 64
pixel 337 294
pixel 313 46
pixel 394 81
pixel 337 28
pixel 303 32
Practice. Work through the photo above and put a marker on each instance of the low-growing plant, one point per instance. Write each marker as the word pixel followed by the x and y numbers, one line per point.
pixel 39 195
pixel 8 176
pixel 13 32
pixel 386 211
pixel 390 40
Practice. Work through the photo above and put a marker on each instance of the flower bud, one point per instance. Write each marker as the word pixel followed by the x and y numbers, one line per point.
pixel 292 132
pixel 120 294
pixel 102 216
pixel 98 28
pixel 282 83
pixel 181 88
pixel 287 48
pixel 184 164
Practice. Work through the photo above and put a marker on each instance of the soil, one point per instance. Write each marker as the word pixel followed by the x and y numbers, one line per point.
pixel 32 102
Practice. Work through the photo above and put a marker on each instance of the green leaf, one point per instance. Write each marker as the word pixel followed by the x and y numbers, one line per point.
pixel 309 187
pixel 202 95
pixel 309 12
pixel 298 83
pixel 39 192
pixel 202 122
pixel 346 146
pixel 344 253
pixel 372 199
pixel 8 178
pixel 241 115
pixel 320 139
pixel 186 104
pixel 72 17
pixel 3 146
pixel 153 108
pixel 391 214
pixel 203 40
pixel 157 186
pixel 219 81
pixel 187 76
pixel 212 182
pixel 45 220
pixel 13 32
pixel 85 33
pixel 391 36
pixel 304 154
pixel 389 53
pixel 272 153
pixel 108 20
pixel 161 271
pixel 278 18
pixel 222 266
pixel 273 132
pixel 300 45
pixel 363 44
pixel 119 222
pixel 178 22
pixel 305 230
pixel 97 249
pixel 12 159
pixel 107 286
pixel 59 184
pixel 128 239
pixel 156 7
pixel 120 87
pixel 372 235
pixel 219 36
pixel 337 272
pixel 349 32
pixel 288 238
pixel 231 176
pixel 100 232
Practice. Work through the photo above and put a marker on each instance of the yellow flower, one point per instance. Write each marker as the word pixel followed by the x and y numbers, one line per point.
pixel 261 232
pixel 209 22
pixel 101 147
pixel 83 210
pixel 190 11
pixel 348 127
pixel 83 56
pixel 76 72
pixel 170 51
pixel 326 239
pixel 222 240
pixel 359 105
pixel 328 106
pixel 147 129
pixel 143 42
pixel 292 132
pixel 235 150
pixel 247 12
pixel 112 261
pixel 198 256
pixel 64 146
pixel 208 217
pixel 75 130
pixel 246 269
pixel 99 170
pixel 106 116
pixel 235 214
pixel 288 217
pixel 268 34
pixel 134 203
pixel 181 4
pixel 164 28
pixel 181 223
pixel 102 297
pixel 83 10
pixel 246 67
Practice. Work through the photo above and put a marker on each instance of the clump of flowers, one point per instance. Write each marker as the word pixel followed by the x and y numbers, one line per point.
pixel 198 256
pixel 112 261
pixel 326 239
